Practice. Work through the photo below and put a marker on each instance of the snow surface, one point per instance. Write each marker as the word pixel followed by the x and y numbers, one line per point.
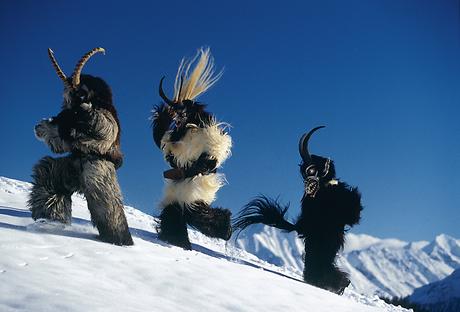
pixel 386 267
pixel 46 266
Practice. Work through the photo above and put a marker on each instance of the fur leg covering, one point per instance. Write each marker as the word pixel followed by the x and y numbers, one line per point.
pixel 327 277
pixel 320 253
pixel 173 227
pixel 100 186
pixel 53 184
pixel 212 222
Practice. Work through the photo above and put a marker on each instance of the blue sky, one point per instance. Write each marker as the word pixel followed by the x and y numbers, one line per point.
pixel 382 75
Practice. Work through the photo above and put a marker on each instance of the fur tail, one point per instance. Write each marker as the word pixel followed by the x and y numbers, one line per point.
pixel 263 210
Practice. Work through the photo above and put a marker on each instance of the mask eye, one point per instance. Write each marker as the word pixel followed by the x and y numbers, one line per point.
pixel 82 93
pixel 181 112
pixel 311 171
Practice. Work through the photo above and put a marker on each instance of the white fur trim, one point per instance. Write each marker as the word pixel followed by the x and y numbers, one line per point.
pixel 190 190
pixel 211 139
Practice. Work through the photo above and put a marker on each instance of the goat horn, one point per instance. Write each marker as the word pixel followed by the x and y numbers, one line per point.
pixel 163 95
pixel 57 68
pixel 303 145
pixel 81 64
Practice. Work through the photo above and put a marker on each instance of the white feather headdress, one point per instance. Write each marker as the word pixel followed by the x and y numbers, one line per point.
pixel 189 83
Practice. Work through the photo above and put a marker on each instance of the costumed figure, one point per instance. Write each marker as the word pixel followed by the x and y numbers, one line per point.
pixel 195 145
pixel 328 207
pixel 88 130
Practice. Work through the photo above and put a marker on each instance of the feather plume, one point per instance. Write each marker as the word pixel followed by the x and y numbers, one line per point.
pixel 190 83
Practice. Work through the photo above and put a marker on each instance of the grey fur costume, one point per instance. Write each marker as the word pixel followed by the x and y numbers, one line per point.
pixel 88 129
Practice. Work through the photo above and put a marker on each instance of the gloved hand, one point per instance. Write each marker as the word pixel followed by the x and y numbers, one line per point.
pixel 174 174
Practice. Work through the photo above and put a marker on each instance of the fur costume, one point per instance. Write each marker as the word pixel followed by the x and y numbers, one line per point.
pixel 195 145
pixel 88 129
pixel 328 206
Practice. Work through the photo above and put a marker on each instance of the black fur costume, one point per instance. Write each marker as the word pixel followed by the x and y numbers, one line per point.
pixel 328 206
pixel 194 145
pixel 89 130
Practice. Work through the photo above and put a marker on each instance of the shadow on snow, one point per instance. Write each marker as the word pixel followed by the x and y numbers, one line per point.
pixel 55 228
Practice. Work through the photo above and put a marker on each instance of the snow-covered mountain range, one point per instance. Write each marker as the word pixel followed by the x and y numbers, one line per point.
pixel 386 267
pixel 46 266
pixel 441 296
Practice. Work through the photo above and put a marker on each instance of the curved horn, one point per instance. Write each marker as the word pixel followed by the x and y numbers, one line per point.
pixel 81 64
pixel 163 95
pixel 303 144
pixel 57 68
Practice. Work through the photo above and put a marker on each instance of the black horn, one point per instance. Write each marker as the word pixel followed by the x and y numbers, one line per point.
pixel 303 144
pixel 163 95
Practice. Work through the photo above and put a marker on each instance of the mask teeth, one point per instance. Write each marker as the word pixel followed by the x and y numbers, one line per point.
pixel 312 186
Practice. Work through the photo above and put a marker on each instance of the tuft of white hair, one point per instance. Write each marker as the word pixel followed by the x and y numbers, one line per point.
pixel 197 80
pixel 212 139
pixel 200 188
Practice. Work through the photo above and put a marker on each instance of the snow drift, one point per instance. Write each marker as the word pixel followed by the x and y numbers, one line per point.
pixel 45 266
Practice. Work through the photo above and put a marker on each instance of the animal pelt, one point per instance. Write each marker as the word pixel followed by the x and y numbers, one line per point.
pixel 88 129
pixel 210 138
pixel 195 145
pixel 212 222
pixel 187 191
pixel 173 226
pixel 328 206
pixel 87 124
pixel 56 179
pixel 321 225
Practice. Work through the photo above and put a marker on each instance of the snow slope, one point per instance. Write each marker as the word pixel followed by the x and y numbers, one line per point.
pixel 46 266
pixel 387 267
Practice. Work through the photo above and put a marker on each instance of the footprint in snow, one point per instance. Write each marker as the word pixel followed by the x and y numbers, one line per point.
pixel 23 264
pixel 69 255
pixel 43 258
pixel 43 225
pixel 2 271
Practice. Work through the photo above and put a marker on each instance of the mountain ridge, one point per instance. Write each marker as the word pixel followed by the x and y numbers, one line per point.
pixel 385 267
